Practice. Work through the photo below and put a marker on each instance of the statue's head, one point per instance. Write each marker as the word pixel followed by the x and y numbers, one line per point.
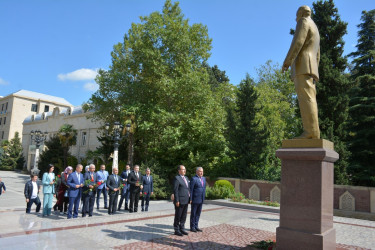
pixel 303 11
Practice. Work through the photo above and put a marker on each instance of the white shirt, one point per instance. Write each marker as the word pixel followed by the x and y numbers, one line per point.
pixel 51 176
pixel 35 190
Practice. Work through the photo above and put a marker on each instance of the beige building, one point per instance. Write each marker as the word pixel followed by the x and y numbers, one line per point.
pixel 50 122
pixel 14 108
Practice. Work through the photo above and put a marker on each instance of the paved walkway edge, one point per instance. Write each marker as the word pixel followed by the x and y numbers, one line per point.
pixel 227 203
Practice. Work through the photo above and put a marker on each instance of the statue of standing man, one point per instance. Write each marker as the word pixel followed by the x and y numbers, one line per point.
pixel 303 57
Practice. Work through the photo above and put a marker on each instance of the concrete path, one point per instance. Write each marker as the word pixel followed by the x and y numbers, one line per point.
pixel 223 227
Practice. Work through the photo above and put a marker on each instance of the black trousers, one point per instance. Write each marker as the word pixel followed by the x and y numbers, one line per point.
pixel 134 199
pixel 88 203
pixel 112 208
pixel 30 203
pixel 180 216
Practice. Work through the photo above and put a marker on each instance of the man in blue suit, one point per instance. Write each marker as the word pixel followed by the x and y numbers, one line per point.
pixel 89 191
pixel 75 183
pixel 102 176
pixel 125 193
pixel 198 193
pixel 148 189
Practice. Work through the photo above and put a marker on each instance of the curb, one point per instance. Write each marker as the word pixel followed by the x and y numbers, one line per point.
pixel 227 203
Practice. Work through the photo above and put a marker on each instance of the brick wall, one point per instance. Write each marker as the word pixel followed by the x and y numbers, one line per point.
pixel 364 196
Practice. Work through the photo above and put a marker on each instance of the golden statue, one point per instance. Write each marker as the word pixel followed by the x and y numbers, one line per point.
pixel 303 57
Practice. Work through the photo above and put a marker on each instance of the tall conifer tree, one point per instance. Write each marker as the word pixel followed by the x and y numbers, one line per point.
pixel 362 104
pixel 250 140
pixel 333 86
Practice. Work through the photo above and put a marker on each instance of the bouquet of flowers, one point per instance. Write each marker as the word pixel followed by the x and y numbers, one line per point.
pixel 94 186
pixel 122 186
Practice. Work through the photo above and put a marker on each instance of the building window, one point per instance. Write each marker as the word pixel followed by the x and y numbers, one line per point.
pixel 34 107
pixel 5 119
pixel 2 107
pixel 46 108
pixel 84 135
pixel 2 135
pixel 1 120
pixel 6 107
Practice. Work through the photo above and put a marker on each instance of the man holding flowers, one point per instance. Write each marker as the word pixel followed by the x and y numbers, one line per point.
pixel 89 191
pixel 135 181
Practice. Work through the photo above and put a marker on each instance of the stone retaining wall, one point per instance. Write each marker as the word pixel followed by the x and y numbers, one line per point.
pixel 347 198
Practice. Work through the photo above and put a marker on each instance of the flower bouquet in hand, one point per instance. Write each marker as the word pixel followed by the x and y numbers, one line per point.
pixel 122 186
pixel 57 178
pixel 94 186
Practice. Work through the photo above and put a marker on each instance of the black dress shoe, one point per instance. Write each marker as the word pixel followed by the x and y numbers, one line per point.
pixel 178 233
pixel 126 208
pixel 119 209
pixel 130 211
pixel 193 230
pixel 198 229
pixel 184 232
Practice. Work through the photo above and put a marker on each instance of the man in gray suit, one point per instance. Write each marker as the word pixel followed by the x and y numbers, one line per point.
pixel 303 57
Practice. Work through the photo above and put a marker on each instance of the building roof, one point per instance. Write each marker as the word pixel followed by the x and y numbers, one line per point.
pixel 36 95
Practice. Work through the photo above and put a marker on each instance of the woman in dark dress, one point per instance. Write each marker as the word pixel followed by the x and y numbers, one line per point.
pixel 62 198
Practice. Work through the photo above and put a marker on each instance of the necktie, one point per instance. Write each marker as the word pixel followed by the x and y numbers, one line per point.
pixel 136 174
pixel 116 178
pixel 183 177
pixel 148 178
pixel 79 181
pixel 202 182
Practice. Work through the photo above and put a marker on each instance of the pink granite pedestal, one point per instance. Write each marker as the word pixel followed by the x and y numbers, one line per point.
pixel 306 210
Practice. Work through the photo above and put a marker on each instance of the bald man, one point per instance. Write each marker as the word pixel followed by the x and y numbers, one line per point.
pixel 303 57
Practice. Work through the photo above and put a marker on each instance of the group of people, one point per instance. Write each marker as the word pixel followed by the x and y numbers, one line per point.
pixel 76 187
pixel 73 188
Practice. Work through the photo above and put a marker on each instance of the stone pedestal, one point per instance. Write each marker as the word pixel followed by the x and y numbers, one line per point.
pixel 306 210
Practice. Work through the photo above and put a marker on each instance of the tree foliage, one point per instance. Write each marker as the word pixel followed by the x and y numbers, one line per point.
pixel 249 140
pixel 362 104
pixel 68 137
pixel 333 85
pixel 53 154
pixel 157 77
pixel 11 157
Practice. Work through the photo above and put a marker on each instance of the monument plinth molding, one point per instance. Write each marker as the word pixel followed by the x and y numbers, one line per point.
pixel 306 210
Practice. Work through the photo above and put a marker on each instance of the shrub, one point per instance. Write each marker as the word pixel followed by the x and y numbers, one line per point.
pixel 237 197
pixel 224 183
pixel 218 192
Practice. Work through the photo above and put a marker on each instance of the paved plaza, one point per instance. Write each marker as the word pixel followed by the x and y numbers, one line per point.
pixel 223 227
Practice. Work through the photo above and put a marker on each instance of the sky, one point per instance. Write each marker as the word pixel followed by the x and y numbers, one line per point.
pixel 56 47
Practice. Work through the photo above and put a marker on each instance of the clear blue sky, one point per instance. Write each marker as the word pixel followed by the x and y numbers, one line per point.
pixel 54 47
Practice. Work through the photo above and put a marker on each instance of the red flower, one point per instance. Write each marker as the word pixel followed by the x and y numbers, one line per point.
pixel 124 184
pixel 59 176
pixel 145 193
pixel 99 183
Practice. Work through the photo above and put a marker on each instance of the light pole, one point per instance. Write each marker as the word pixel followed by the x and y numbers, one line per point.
pixel 117 128
pixel 38 137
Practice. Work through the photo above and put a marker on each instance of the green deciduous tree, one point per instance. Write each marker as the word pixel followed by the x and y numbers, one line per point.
pixel 68 137
pixel 333 85
pixel 12 157
pixel 157 76
pixel 53 154
pixel 277 116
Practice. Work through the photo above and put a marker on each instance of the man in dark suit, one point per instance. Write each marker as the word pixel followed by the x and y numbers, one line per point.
pixel 198 193
pixel 135 181
pixel 125 191
pixel 89 191
pixel 181 191
pixel 148 189
pixel 32 188
pixel 113 183
pixel 75 183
